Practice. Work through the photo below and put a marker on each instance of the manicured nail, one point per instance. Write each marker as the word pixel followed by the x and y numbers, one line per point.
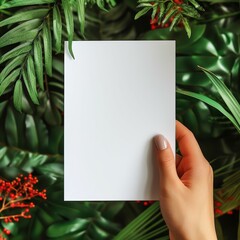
pixel 160 142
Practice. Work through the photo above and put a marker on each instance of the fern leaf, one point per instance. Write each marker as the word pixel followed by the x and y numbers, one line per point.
pixel 161 13
pixel 20 34
pixel 8 80
pixel 81 14
pixel 142 12
pixel 17 95
pixel 186 26
pixel 175 21
pixel 154 11
pixel 69 23
pixel 170 13
pixel 21 49
pixel 31 86
pixel 11 66
pixel 196 5
pixel 190 11
pixel 24 16
pixel 47 44
pixel 57 28
pixel 38 60
pixel 32 79
pixel 21 3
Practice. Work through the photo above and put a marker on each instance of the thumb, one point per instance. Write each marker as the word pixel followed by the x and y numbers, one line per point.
pixel 166 162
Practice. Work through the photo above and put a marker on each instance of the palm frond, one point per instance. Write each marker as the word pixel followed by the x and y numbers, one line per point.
pixel 32 35
pixel 148 225
pixel 212 103
pixel 228 194
pixel 225 93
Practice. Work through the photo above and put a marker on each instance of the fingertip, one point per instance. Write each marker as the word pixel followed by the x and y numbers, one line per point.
pixel 160 142
pixel 166 161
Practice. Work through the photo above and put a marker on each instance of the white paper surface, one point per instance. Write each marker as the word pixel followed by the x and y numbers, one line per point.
pixel 118 95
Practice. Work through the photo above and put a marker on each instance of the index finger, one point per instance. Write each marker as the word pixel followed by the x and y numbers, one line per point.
pixel 187 143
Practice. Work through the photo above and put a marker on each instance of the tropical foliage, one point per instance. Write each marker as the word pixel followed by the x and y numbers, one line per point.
pixel 32 33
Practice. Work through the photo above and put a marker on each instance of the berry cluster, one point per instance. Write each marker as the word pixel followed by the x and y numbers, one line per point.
pixel 15 198
pixel 154 23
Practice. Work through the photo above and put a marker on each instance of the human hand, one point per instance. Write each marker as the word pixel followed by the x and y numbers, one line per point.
pixel 186 188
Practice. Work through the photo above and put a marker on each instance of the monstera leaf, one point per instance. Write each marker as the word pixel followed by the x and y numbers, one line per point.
pixel 213 48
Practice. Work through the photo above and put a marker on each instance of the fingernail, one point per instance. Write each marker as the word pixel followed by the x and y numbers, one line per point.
pixel 160 142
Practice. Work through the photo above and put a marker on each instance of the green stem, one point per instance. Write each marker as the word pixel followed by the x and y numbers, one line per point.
pixel 227 15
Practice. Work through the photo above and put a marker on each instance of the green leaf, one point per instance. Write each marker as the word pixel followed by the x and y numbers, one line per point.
pixel 3 151
pixel 24 16
pixel 11 128
pixel 11 66
pixel 186 26
pixel 52 115
pixel 107 225
pixel 196 5
pixel 52 169
pixel 47 43
pixel 162 11
pixel 142 12
pixel 111 209
pixel 81 14
pixel 100 4
pixel 148 225
pixel 30 85
pixel 225 93
pixel 218 229
pixel 170 13
pixel 175 21
pixel 24 32
pixel 98 233
pixel 31 133
pixel 21 49
pixel 42 132
pixel 17 95
pixel 12 226
pixel 57 28
pixel 69 23
pixel 5 41
pixel 145 5
pixel 38 60
pixel 169 6
pixel 20 3
pixel 190 11
pixel 154 11
pixel 212 103
pixel 8 80
pixel 32 78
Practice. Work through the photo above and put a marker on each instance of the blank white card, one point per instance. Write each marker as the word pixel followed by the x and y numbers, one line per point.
pixel 118 96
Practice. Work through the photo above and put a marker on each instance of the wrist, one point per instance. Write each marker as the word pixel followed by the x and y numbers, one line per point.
pixel 194 234
pixel 197 235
